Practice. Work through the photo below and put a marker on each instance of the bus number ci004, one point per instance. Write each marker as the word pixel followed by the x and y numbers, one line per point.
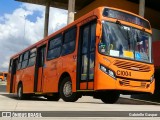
pixel 123 73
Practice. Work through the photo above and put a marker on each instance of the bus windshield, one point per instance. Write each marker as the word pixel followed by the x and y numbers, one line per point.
pixel 125 42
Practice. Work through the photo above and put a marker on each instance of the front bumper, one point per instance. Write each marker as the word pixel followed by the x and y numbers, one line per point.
pixel 135 85
pixel 105 82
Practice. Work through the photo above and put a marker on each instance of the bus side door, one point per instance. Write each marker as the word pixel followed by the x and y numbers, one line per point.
pixel 86 56
pixel 39 69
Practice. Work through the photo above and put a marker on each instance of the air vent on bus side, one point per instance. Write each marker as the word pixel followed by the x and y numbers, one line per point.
pixel 132 66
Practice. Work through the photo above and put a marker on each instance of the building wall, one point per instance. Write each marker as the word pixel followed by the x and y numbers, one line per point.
pixel 152 15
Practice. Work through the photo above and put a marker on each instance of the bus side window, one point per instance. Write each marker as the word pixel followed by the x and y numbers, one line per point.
pixel 25 59
pixel 19 62
pixel 32 57
pixel 69 42
pixel 54 47
pixel 10 65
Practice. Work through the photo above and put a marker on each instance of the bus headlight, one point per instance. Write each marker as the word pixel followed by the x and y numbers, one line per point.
pixel 152 78
pixel 107 71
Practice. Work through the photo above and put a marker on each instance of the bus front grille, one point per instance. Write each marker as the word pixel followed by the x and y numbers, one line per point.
pixel 132 66
pixel 131 84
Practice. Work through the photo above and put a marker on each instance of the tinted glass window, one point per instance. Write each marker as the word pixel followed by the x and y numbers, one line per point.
pixel 69 41
pixel 85 40
pixel 54 49
pixel 93 37
pixel 68 48
pixel 70 35
pixel 26 55
pixel 31 61
pixel 32 57
pixel 91 69
pixel 19 66
pixel 20 58
pixel 84 67
pixel 55 42
pixel 54 53
pixel 10 67
pixel 32 54
pixel 19 62
pixel 24 64
pixel 11 62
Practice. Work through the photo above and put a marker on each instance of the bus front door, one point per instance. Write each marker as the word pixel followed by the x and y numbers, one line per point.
pixel 86 57
pixel 38 86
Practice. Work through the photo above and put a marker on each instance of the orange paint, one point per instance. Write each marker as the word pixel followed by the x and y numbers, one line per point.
pixel 48 80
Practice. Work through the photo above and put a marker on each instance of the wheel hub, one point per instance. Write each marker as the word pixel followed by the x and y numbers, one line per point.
pixel 67 89
pixel 19 91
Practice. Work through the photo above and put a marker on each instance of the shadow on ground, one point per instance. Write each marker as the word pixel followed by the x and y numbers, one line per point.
pixel 153 98
pixel 120 101
pixel 31 98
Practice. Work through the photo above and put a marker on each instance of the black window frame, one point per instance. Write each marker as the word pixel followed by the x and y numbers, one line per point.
pixel 57 46
pixel 70 41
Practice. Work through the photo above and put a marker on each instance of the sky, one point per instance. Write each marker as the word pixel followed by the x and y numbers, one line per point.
pixel 22 24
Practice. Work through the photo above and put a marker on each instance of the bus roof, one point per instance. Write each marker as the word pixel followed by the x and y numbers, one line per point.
pixel 90 14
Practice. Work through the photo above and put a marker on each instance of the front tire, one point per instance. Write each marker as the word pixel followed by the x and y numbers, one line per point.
pixel 110 97
pixel 20 94
pixel 66 91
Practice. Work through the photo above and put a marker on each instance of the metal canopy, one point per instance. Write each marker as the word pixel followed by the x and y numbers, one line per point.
pixel 63 4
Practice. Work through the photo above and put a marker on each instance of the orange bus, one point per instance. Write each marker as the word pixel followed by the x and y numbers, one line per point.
pixel 3 76
pixel 103 54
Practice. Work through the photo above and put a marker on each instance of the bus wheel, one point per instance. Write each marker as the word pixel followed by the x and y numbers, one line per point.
pixel 66 91
pixel 55 97
pixel 20 94
pixel 110 97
